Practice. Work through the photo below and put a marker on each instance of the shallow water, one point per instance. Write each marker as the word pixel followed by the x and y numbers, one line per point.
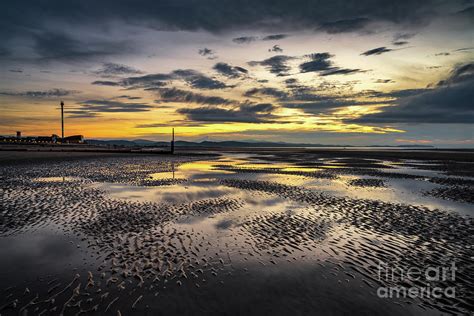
pixel 237 234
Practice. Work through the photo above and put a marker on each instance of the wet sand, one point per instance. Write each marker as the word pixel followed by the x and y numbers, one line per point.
pixel 231 233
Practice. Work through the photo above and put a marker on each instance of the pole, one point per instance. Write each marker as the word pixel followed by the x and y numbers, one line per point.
pixel 62 122
pixel 172 142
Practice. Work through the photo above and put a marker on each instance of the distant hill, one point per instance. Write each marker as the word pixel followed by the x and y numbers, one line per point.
pixel 180 143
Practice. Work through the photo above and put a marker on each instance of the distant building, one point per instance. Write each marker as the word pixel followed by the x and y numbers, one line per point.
pixel 75 139
pixel 53 139
pixel 45 139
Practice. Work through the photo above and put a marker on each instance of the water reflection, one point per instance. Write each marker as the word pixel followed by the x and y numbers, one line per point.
pixel 289 227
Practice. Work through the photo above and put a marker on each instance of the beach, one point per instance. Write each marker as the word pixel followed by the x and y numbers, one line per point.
pixel 235 231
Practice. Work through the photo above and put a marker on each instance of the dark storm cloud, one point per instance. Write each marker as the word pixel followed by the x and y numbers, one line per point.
pixel 321 63
pixel 274 37
pixel 230 71
pixel 449 102
pixel 34 20
pixel 208 53
pixel 244 39
pixel 55 46
pixel 245 113
pixel 276 64
pixel 276 49
pixel 113 70
pixel 376 51
pixel 155 81
pixel 342 26
pixel 220 15
pixel 178 95
pixel 105 83
pixel 52 93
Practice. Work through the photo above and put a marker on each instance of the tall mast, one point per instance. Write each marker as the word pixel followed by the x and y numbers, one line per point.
pixel 62 122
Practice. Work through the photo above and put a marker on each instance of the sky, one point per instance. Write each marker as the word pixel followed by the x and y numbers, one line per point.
pixel 325 72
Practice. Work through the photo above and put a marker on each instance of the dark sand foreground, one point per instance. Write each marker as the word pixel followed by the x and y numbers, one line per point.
pixel 278 232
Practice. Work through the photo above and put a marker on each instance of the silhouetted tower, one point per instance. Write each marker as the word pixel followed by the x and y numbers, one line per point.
pixel 62 122
pixel 172 141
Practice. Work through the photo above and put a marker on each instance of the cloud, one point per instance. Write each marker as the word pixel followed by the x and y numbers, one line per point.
pixel 400 43
pixel 342 26
pixel 109 70
pixel 105 83
pixel 276 64
pixel 318 104
pixel 244 39
pixel 178 95
pixel 462 73
pixel 16 70
pixel 156 81
pixel 464 49
pixel 320 62
pixel 26 19
pixel 384 81
pixel 266 92
pixel 200 81
pixel 206 52
pixel 274 37
pixel 341 71
pixel 250 39
pixel 376 51
pixel 403 36
pixel 52 93
pixel 245 113
pixel 400 39
pixel 128 97
pixel 230 71
pixel 93 108
pixel 449 102
pixel 55 46
pixel 276 49
pixel 467 13
pixel 81 114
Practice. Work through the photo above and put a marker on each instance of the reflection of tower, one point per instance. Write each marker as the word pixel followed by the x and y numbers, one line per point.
pixel 62 122
pixel 172 142
pixel 172 168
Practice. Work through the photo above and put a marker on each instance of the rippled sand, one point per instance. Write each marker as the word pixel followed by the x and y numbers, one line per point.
pixel 230 234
